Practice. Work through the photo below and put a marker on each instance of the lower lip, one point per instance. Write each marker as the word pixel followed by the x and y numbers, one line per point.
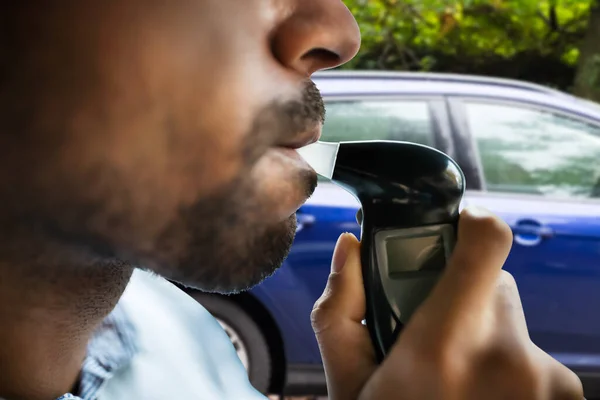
pixel 293 155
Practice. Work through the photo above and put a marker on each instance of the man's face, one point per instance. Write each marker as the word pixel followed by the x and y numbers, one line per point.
pixel 160 132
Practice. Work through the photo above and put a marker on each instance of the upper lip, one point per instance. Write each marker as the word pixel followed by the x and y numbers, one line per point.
pixel 302 139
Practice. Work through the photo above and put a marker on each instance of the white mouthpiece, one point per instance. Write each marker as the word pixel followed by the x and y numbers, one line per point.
pixel 321 157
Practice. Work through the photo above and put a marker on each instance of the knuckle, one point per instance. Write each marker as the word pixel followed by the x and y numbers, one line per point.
pixel 442 360
pixel 515 363
pixel 324 308
pixel 328 297
pixel 320 318
pixel 507 280
pixel 575 388
pixel 567 384
pixel 483 237
pixel 507 290
pixel 334 282
pixel 487 225
pixel 516 368
pixel 532 376
pixel 507 298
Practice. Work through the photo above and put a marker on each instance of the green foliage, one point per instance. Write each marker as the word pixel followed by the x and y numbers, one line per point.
pixel 587 81
pixel 536 40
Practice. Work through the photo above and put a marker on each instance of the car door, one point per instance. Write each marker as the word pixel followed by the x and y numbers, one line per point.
pixel 331 210
pixel 541 173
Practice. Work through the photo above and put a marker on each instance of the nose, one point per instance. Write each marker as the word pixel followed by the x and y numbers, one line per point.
pixel 316 35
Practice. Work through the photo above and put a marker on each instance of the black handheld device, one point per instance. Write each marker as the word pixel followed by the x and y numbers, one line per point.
pixel 410 196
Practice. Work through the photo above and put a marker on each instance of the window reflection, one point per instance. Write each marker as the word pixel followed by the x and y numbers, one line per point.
pixel 379 120
pixel 524 150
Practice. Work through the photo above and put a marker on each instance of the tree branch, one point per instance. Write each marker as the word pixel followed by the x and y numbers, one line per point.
pixel 553 17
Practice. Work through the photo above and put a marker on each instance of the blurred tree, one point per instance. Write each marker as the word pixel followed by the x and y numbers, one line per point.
pixel 534 40
pixel 587 81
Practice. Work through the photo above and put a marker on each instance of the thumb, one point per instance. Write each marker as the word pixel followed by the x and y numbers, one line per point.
pixel 344 341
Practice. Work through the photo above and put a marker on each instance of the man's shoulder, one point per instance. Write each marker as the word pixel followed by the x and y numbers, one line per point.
pixel 182 350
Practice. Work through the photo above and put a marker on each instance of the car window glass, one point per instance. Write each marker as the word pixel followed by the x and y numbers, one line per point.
pixel 378 120
pixel 405 120
pixel 525 150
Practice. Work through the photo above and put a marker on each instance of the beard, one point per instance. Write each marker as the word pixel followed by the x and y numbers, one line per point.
pixel 223 244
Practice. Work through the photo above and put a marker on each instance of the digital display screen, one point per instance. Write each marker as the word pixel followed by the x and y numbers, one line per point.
pixel 421 253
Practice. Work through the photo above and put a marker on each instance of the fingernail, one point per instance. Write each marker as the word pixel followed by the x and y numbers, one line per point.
pixel 340 254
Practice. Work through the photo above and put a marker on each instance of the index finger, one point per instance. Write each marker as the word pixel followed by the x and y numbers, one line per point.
pixel 468 283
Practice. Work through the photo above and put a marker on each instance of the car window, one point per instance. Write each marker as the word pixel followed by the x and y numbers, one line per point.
pixel 405 120
pixel 526 150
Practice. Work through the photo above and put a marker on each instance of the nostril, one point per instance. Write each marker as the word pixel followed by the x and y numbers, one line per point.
pixel 323 56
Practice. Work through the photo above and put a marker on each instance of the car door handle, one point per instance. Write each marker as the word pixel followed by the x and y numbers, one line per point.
pixel 542 231
pixel 303 220
pixel 531 233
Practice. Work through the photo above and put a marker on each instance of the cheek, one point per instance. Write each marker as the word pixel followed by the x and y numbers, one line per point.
pixel 179 120
pixel 137 179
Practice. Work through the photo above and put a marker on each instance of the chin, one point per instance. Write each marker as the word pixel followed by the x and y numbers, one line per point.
pixel 226 264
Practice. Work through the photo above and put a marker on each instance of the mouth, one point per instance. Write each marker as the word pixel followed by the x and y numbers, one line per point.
pixel 288 149
pixel 305 138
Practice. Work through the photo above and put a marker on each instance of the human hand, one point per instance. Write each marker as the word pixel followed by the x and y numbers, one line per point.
pixel 468 340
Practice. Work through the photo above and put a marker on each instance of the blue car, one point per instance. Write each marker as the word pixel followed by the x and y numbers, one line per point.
pixel 529 153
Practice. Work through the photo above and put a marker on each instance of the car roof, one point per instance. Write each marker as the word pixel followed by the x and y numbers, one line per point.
pixel 370 83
